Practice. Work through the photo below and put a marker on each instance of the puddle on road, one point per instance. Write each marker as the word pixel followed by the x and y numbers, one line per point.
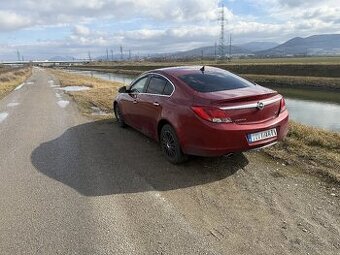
pixel 75 88
pixel 63 103
pixel 3 116
pixel 20 86
pixel 12 104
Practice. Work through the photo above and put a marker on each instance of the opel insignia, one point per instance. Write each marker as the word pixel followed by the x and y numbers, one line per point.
pixel 202 111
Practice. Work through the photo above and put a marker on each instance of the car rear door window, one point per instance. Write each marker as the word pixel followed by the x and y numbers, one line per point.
pixel 214 81
pixel 156 85
pixel 168 89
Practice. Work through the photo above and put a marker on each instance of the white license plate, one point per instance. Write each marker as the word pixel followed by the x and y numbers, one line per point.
pixel 262 135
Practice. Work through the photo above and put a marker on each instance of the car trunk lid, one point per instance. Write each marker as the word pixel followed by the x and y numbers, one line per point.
pixel 245 105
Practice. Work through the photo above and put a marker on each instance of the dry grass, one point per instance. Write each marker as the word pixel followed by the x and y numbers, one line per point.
pixel 295 81
pixel 316 151
pixel 100 95
pixel 12 78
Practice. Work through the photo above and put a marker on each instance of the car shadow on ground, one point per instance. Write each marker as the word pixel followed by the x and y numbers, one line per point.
pixel 99 158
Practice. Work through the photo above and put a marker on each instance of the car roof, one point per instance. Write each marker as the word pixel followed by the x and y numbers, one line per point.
pixel 183 70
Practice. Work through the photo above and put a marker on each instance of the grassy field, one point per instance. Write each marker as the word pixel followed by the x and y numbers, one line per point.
pixel 316 73
pixel 100 95
pixel 313 150
pixel 284 81
pixel 312 70
pixel 302 82
pixel 10 78
pixel 254 61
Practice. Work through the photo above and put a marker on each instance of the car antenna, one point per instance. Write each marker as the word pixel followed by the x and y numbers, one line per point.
pixel 202 69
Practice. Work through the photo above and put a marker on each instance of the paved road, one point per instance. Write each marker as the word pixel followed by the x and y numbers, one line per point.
pixel 71 185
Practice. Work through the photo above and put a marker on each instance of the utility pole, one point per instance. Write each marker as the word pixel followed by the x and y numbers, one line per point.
pixel 230 47
pixel 121 52
pixel 129 54
pixel 89 54
pixel 111 54
pixel 107 54
pixel 18 55
pixel 221 45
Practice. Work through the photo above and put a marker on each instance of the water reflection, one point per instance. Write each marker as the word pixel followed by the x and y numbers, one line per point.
pixel 123 78
pixel 317 114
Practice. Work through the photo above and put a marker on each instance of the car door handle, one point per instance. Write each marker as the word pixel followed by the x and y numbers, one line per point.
pixel 156 104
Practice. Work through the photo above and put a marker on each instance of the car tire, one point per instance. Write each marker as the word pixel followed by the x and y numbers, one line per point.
pixel 119 116
pixel 170 145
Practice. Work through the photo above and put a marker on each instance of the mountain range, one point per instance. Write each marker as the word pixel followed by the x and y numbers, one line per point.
pixel 316 45
pixel 327 44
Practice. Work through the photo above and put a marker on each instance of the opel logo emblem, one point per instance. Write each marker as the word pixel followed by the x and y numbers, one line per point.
pixel 260 105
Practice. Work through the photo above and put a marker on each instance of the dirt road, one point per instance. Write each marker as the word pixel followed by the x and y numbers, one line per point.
pixel 71 185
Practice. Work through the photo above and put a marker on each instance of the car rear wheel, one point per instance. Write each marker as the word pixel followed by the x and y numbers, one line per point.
pixel 170 145
pixel 119 116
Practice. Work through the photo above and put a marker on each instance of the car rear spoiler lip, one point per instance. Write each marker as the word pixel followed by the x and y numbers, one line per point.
pixel 252 105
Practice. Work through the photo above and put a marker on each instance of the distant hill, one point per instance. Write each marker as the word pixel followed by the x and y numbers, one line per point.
pixel 257 46
pixel 61 58
pixel 209 51
pixel 328 44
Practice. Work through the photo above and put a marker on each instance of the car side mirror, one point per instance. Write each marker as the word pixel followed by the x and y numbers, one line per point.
pixel 123 90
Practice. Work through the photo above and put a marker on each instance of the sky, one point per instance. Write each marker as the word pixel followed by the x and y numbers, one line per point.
pixel 41 29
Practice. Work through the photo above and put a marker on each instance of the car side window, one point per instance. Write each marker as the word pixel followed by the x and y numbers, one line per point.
pixel 138 87
pixel 168 89
pixel 156 85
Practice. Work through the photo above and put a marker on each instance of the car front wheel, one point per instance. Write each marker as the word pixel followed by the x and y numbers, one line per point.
pixel 119 116
pixel 170 145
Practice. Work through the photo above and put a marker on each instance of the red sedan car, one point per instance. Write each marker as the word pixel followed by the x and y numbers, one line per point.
pixel 202 111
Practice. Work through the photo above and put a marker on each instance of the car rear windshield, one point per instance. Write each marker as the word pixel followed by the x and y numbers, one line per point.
pixel 214 81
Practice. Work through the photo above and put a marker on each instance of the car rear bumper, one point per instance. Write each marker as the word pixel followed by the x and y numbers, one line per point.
pixel 215 139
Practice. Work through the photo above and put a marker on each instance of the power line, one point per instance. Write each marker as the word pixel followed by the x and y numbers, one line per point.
pixel 18 55
pixel 230 47
pixel 221 43
pixel 121 52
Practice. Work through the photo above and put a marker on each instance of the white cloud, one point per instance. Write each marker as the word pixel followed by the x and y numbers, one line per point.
pixel 160 26
pixel 81 30
pixel 53 12
pixel 11 21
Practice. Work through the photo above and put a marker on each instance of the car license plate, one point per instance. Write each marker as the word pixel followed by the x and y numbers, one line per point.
pixel 262 135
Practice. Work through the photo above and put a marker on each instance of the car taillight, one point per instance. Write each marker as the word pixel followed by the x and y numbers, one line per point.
pixel 211 114
pixel 282 105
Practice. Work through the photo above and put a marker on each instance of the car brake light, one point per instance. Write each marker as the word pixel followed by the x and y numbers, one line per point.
pixel 211 114
pixel 282 105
